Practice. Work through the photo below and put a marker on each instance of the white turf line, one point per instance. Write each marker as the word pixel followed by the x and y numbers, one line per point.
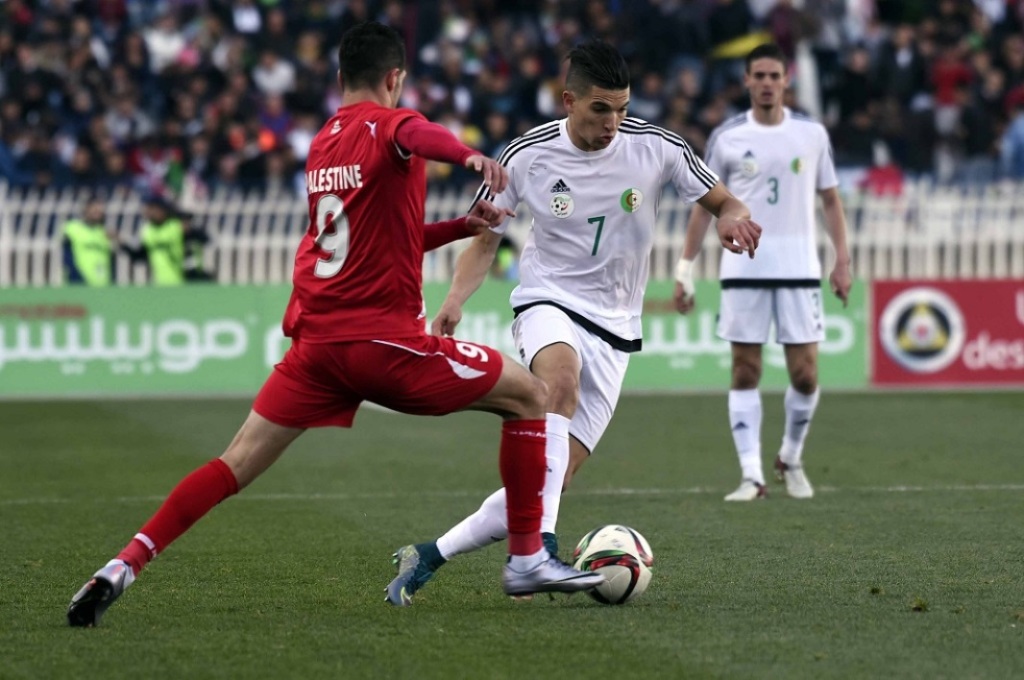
pixel 386 495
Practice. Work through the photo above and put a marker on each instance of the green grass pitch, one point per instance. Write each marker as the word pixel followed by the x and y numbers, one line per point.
pixel 909 563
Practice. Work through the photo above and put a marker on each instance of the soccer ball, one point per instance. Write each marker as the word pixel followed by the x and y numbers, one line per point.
pixel 622 555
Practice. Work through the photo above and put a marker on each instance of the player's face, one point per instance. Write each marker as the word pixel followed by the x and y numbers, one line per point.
pixel 767 82
pixel 94 213
pixel 594 118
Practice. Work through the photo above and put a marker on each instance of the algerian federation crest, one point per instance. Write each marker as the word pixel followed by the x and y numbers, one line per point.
pixel 561 205
pixel 796 165
pixel 748 166
pixel 631 200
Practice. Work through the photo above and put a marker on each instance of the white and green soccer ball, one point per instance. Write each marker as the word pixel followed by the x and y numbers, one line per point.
pixel 622 555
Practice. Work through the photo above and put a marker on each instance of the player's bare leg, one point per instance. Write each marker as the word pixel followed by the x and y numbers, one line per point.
pixel 745 420
pixel 257 445
pixel 800 401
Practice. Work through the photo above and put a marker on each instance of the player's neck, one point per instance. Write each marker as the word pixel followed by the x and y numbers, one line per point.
pixel 769 116
pixel 578 141
pixel 363 95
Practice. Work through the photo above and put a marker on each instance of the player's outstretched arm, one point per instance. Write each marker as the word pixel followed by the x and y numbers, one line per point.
pixel 483 215
pixel 437 143
pixel 470 270
pixel 494 173
pixel 841 279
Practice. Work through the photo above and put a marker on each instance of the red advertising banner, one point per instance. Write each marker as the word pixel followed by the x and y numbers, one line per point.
pixel 949 333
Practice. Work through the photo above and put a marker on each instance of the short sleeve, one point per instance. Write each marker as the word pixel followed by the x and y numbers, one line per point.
pixel 826 164
pixel 691 177
pixel 714 155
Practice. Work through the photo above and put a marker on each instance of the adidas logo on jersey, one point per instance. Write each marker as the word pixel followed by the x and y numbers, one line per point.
pixel 560 187
pixel 748 166
pixel 336 128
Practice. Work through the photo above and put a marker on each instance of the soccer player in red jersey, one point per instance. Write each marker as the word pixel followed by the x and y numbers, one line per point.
pixel 357 323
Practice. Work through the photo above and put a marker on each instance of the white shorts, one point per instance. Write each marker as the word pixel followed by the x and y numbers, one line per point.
pixel 603 366
pixel 745 314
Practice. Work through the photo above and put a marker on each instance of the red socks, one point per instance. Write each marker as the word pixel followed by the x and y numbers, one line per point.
pixel 521 460
pixel 523 467
pixel 188 502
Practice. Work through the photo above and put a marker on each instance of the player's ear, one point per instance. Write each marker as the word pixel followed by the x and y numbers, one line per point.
pixel 341 83
pixel 568 99
pixel 393 79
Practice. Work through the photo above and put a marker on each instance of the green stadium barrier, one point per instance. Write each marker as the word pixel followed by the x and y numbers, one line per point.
pixel 210 340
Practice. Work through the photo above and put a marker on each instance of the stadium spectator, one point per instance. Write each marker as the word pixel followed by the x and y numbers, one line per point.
pixel 190 67
pixel 88 250
pixel 161 243
pixel 884 177
pixel 1012 143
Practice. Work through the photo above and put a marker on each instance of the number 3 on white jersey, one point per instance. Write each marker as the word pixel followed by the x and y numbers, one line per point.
pixel 336 244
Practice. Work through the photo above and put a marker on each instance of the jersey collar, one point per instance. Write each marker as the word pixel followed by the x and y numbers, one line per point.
pixel 786 114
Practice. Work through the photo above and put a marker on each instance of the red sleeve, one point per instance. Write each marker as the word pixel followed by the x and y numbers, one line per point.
pixel 437 234
pixel 431 141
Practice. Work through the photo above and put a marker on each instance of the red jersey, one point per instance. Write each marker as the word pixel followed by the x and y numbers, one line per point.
pixel 359 268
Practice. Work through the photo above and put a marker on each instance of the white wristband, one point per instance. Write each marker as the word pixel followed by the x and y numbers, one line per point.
pixel 684 275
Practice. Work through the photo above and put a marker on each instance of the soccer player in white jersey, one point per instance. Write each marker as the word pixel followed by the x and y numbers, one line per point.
pixel 592 182
pixel 776 160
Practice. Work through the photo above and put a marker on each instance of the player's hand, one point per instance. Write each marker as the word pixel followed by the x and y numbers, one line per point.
pixel 448 317
pixel 739 236
pixel 495 175
pixel 685 301
pixel 841 280
pixel 485 215
pixel 684 294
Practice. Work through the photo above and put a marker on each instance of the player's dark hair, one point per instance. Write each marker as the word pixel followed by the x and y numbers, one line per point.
pixel 766 51
pixel 367 52
pixel 595 62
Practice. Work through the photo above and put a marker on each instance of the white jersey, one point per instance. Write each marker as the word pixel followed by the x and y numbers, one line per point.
pixel 777 171
pixel 589 246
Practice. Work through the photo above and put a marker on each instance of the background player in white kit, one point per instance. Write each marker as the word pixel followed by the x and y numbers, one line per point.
pixel 776 161
pixel 592 182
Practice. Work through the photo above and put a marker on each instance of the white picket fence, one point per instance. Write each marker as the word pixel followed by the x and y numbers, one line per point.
pixel 927 232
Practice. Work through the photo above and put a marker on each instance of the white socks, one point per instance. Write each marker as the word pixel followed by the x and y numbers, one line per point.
pixel 745 421
pixel 489 524
pixel 524 563
pixel 557 453
pixel 799 412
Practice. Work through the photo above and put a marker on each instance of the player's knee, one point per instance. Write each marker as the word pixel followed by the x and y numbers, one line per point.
pixel 745 375
pixel 805 379
pixel 563 393
pixel 535 399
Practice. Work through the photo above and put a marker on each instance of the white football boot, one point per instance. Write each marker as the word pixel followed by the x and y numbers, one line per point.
pixel 550 576
pixel 748 490
pixel 797 484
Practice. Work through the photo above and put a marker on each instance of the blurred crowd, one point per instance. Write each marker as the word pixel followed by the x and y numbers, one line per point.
pixel 188 97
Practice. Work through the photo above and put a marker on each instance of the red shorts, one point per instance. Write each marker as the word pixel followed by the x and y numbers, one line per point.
pixel 322 384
